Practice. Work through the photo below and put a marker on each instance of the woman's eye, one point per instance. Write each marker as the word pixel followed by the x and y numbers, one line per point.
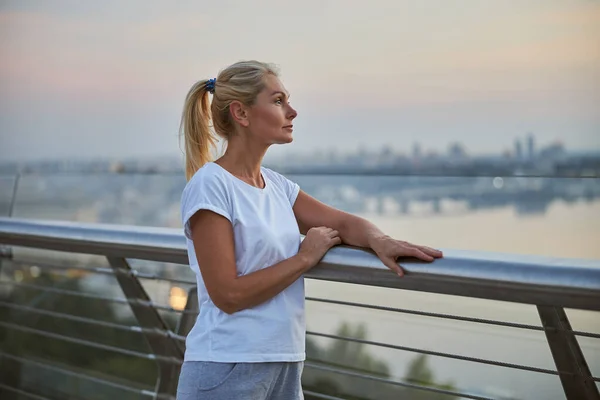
pixel 278 101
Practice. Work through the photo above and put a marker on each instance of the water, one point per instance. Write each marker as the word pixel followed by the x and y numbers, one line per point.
pixel 543 216
pixel 563 230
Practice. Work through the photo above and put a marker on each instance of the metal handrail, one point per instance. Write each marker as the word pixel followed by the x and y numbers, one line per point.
pixel 138 302
pixel 96 322
pixel 571 283
pixel 438 354
pixel 549 283
pixel 147 356
pixel 447 316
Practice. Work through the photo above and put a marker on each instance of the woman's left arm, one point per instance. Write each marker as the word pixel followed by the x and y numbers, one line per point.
pixel 357 231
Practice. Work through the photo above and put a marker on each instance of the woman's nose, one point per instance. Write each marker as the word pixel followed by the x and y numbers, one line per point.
pixel 292 113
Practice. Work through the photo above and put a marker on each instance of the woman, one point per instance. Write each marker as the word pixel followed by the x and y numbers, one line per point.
pixel 243 224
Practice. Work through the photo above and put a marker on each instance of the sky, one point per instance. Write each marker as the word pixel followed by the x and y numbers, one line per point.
pixel 107 79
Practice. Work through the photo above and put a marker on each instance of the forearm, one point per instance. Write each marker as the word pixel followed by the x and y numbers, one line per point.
pixel 257 287
pixel 357 231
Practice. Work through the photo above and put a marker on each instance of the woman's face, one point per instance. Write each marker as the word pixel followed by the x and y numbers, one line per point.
pixel 270 117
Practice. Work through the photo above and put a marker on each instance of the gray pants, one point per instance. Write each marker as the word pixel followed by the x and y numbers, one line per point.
pixel 201 380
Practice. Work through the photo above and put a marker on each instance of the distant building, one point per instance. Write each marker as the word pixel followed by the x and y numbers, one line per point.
pixel 456 150
pixel 518 149
pixel 416 152
pixel 530 146
pixel 554 151
pixel 386 151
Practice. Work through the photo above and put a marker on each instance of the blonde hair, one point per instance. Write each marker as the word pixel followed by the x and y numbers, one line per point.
pixel 242 81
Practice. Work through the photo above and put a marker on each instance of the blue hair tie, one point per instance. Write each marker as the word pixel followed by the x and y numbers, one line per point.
pixel 210 85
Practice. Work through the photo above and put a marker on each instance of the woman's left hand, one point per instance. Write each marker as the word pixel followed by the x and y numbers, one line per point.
pixel 389 250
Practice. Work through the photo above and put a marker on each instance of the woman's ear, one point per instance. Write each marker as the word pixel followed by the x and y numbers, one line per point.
pixel 239 113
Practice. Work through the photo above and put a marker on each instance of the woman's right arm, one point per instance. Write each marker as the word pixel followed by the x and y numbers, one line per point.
pixel 212 235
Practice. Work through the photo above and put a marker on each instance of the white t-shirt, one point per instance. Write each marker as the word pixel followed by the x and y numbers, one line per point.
pixel 265 233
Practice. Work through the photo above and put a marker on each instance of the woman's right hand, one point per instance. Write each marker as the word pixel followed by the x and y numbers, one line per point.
pixel 316 243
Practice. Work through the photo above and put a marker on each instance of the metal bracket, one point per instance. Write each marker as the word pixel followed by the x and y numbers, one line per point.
pixel 188 318
pixel 570 363
pixel 148 317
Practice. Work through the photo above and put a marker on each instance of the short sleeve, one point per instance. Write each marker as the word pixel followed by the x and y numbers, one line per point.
pixel 204 192
pixel 291 189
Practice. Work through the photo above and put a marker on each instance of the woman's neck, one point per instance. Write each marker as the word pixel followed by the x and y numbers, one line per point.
pixel 244 161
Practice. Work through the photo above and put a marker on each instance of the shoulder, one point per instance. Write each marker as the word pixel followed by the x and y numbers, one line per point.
pixel 290 188
pixel 209 184
pixel 270 173
pixel 209 176
pixel 274 176
pixel 207 189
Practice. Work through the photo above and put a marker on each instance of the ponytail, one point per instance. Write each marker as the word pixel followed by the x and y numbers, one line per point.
pixel 195 129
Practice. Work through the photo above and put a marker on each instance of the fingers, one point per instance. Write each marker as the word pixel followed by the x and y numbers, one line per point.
pixel 417 253
pixel 335 237
pixel 390 250
pixel 333 233
pixel 423 249
pixel 391 264
pixel 428 250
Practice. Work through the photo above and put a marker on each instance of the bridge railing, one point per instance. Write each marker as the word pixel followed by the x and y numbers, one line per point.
pixel 30 309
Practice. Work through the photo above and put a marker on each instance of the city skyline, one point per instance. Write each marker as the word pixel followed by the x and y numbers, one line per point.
pixel 107 80
pixel 522 147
